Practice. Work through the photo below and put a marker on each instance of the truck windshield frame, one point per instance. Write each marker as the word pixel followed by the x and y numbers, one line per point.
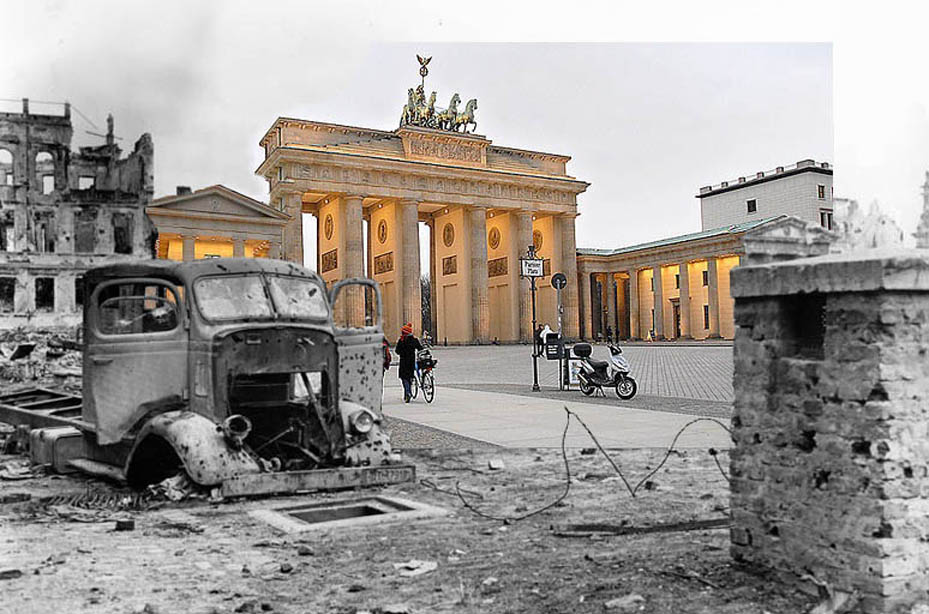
pixel 236 298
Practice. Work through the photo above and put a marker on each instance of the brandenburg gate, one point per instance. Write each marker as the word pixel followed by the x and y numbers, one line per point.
pixel 484 205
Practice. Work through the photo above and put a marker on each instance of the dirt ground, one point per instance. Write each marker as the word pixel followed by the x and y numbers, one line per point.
pixel 201 557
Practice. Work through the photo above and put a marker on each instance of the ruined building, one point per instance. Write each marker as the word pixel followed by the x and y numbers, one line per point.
pixel 62 212
pixel 922 230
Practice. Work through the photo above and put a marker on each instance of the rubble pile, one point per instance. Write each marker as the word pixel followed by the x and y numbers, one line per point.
pixel 47 357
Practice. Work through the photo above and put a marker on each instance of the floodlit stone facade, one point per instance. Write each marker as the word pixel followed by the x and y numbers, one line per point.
pixel 828 471
pixel 216 222
pixel 62 212
pixel 803 190
pixel 484 205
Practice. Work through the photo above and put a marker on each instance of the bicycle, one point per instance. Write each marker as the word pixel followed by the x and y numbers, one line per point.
pixel 423 377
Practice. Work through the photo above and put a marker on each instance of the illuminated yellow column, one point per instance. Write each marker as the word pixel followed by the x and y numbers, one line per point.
pixel 684 275
pixel 585 305
pixel 354 263
pixel 570 295
pixel 480 304
pixel 189 244
pixel 238 247
pixel 523 241
pixel 659 301
pixel 633 298
pixel 713 295
pixel 612 305
pixel 293 231
pixel 409 263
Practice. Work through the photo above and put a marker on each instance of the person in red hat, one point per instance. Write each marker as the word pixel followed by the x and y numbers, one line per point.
pixel 406 349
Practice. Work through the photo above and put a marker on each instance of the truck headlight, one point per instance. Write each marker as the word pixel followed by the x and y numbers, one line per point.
pixel 362 421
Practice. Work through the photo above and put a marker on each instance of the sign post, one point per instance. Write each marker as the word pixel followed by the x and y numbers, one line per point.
pixel 533 267
pixel 559 281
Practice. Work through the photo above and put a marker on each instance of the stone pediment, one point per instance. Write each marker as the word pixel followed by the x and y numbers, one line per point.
pixel 217 200
pixel 786 238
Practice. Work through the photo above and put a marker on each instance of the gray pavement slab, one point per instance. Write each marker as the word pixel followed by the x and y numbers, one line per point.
pixel 522 421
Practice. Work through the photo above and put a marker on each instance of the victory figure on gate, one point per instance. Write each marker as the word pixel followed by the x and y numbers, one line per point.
pixel 418 111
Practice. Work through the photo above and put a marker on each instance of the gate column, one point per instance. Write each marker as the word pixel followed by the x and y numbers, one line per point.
pixel 409 280
pixel 480 305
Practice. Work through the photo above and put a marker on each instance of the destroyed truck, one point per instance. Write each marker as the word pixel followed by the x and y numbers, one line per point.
pixel 244 373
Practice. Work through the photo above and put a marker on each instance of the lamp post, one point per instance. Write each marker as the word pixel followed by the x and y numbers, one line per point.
pixel 532 267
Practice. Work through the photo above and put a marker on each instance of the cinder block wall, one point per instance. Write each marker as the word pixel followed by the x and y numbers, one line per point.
pixel 829 469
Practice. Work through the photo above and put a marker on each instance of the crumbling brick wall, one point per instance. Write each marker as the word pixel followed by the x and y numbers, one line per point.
pixel 62 212
pixel 829 469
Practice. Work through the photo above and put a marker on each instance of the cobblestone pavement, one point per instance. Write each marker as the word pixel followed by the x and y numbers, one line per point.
pixel 661 370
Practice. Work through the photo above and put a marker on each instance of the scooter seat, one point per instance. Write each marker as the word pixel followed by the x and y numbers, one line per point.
pixel 599 364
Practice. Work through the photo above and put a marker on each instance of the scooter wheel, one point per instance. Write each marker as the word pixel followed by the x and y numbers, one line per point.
pixel 587 389
pixel 626 388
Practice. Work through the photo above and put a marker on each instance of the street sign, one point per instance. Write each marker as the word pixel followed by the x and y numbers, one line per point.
pixel 531 267
pixel 559 281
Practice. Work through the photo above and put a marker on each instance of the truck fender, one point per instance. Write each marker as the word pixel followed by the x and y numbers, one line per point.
pixel 196 441
pixel 371 448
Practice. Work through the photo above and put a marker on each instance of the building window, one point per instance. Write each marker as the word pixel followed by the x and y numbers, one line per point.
pixel 7 294
pixel 706 278
pixel 45 171
pixel 821 192
pixel 85 230
pixel 6 167
pixel 706 317
pixel 122 233
pixel 751 205
pixel 653 284
pixel 6 232
pixel 78 291
pixel 85 182
pixel 45 293
pixel 825 218
pixel 44 232
pixel 677 281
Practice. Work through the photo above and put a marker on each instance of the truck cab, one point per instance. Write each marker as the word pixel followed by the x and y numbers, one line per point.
pixel 244 373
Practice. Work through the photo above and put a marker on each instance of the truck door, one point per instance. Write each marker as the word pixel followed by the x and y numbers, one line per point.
pixel 356 311
pixel 135 360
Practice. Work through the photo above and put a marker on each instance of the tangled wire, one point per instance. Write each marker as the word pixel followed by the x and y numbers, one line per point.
pixel 564 455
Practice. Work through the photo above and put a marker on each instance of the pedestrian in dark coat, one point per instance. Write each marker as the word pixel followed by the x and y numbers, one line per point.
pixel 406 349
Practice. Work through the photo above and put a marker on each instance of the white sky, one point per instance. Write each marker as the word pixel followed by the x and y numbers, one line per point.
pixel 646 124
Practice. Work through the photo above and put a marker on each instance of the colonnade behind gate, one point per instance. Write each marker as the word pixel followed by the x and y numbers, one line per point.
pixel 692 305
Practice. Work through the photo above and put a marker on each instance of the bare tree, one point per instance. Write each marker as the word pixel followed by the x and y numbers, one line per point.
pixel 426 293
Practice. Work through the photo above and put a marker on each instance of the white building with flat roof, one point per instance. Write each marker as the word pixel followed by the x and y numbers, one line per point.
pixel 803 190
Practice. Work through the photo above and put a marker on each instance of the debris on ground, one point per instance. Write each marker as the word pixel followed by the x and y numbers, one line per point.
pixel 496 464
pixel 626 603
pixel 415 567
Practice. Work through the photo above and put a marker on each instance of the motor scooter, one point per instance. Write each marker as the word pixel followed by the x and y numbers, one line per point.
pixel 595 374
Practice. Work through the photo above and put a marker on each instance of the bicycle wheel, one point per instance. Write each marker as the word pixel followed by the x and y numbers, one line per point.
pixel 414 387
pixel 428 387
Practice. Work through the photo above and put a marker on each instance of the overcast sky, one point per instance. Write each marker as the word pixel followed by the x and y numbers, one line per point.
pixel 646 124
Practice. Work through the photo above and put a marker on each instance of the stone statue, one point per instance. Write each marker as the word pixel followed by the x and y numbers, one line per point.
pixel 446 119
pixel 419 111
pixel 466 117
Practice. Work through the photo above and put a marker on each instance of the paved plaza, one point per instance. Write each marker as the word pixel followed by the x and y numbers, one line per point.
pixel 484 393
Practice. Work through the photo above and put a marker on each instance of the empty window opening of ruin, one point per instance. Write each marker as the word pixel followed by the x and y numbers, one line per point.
pixel 85 182
pixel 44 225
pixel 45 294
pixel 45 172
pixel 7 232
pixel 346 513
pixel 6 167
pixel 805 324
pixel 122 233
pixel 85 230
pixel 79 291
pixel 7 294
